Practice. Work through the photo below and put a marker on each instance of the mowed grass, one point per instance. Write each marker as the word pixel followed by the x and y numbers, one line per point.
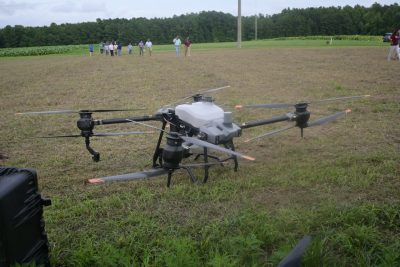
pixel 304 42
pixel 340 184
pixel 308 41
pixel 272 43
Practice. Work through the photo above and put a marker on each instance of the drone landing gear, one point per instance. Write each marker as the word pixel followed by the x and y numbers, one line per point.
pixel 231 146
pixel 95 154
pixel 189 171
pixel 205 155
pixel 158 151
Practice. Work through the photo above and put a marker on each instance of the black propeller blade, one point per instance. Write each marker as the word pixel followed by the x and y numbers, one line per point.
pixel 202 143
pixel 269 133
pixel 74 111
pixel 199 92
pixel 287 105
pixel 146 173
pixel 293 259
pixel 275 105
pixel 212 90
pixel 338 98
pixel 308 124
pixel 328 118
pixel 129 176
pixel 61 136
pixel 97 134
pixel 120 134
pixel 199 142
pixel 201 165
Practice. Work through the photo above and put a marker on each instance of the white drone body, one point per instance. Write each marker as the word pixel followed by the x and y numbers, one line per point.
pixel 214 125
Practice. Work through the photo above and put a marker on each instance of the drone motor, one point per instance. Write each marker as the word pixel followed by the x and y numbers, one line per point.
pixel 172 152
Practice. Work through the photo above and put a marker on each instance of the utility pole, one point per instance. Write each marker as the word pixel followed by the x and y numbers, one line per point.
pixel 239 26
pixel 255 27
pixel 255 21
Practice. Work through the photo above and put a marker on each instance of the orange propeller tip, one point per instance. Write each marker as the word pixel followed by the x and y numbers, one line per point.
pixel 238 106
pixel 95 181
pixel 249 158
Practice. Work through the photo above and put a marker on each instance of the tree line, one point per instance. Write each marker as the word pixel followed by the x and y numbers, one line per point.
pixel 212 26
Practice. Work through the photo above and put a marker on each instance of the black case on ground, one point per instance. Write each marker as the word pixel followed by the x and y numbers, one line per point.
pixel 22 234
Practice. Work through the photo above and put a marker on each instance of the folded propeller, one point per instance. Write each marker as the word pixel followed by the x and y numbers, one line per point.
pixel 304 124
pixel 301 115
pixel 49 112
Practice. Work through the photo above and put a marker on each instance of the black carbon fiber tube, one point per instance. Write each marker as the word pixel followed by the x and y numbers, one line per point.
pixel 250 124
pixel 157 117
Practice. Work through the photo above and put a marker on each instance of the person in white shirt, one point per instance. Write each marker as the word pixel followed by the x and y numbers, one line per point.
pixel 149 46
pixel 111 48
pixel 177 42
pixel 130 48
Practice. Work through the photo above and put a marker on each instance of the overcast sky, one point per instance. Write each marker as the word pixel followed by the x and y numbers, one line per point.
pixel 44 12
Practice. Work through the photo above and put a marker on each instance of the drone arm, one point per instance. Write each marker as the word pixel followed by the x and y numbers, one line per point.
pixel 287 117
pixel 156 117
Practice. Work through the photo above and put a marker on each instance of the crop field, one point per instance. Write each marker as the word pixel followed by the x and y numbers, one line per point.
pixel 340 183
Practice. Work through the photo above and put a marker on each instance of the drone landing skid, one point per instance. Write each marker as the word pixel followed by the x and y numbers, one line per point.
pixel 189 171
pixel 146 174
pixel 219 161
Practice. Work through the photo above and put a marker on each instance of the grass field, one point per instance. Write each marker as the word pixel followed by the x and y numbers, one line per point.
pixel 308 41
pixel 340 183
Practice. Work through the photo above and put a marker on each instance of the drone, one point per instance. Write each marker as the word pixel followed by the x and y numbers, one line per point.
pixel 199 125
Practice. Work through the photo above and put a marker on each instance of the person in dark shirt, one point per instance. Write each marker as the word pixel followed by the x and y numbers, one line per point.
pixel 187 44
pixel 91 49
pixel 119 49
pixel 394 45
pixel 141 48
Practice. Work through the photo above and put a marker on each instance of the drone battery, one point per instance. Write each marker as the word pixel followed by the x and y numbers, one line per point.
pixel 23 239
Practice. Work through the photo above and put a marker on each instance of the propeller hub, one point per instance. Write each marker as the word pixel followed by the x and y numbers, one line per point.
pixel 302 115
pixel 202 98
pixel 85 123
pixel 197 97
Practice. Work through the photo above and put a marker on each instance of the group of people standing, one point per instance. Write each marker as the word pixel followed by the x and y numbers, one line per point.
pixel 115 48
pixel 178 43
pixel 394 51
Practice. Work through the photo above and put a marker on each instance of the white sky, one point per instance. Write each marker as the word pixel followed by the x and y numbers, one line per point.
pixel 44 12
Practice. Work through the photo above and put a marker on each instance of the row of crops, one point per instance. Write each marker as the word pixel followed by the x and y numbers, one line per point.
pixel 40 50
pixel 335 37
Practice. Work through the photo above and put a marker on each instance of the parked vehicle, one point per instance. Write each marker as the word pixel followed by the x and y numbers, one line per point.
pixel 386 37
